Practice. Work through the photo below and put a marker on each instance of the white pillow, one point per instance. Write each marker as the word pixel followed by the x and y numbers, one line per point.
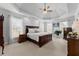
pixel 36 30
pixel 31 30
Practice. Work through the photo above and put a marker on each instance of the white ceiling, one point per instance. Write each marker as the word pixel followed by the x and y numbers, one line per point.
pixel 34 9
pixel 60 10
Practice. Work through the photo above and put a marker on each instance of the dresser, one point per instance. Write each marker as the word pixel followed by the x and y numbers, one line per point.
pixel 73 47
pixel 1 33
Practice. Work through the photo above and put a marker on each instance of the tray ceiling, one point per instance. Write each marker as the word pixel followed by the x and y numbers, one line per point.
pixel 58 9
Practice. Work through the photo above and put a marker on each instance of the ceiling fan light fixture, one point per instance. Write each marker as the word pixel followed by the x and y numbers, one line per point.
pixel 44 12
pixel 46 9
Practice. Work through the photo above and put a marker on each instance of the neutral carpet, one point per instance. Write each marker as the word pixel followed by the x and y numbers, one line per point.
pixel 56 47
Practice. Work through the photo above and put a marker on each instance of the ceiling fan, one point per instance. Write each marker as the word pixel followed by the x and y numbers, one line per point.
pixel 46 8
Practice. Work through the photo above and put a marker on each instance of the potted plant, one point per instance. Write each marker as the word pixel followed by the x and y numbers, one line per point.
pixel 57 32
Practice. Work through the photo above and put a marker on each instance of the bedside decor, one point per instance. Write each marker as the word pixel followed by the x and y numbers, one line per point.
pixel 72 35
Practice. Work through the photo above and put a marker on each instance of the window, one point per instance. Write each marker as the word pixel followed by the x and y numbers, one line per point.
pixel 16 27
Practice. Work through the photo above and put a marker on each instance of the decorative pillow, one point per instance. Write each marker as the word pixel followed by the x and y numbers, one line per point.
pixel 31 30
pixel 36 30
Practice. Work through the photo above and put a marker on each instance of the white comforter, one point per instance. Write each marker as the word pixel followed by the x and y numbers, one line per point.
pixel 35 36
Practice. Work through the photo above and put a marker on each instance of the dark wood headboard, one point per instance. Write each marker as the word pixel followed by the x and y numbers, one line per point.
pixel 27 28
pixel 32 26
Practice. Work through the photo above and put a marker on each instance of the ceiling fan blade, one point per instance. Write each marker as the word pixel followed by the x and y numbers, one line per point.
pixel 49 10
pixel 48 7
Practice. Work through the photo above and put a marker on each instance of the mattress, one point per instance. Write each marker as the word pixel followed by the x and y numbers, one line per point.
pixel 35 36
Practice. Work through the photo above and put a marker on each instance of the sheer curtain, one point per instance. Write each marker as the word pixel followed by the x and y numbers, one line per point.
pixel 16 27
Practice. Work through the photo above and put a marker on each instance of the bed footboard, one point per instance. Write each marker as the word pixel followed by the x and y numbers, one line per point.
pixel 44 39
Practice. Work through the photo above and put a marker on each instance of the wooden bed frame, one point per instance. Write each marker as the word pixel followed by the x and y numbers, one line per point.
pixel 42 39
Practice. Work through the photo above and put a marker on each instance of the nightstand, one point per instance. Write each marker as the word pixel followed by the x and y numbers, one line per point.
pixel 22 38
